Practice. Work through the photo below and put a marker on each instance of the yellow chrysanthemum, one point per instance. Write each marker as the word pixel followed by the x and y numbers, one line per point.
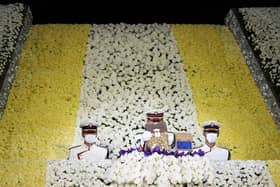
pixel 224 90
pixel 40 115
pixel 274 169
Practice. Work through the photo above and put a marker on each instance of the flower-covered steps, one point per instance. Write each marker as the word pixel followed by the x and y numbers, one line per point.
pixel 40 115
pixel 15 22
pixel 130 70
pixel 223 89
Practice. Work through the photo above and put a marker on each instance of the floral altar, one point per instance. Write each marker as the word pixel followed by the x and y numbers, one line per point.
pixel 196 72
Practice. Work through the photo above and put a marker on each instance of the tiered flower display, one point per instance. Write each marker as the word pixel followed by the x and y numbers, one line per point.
pixel 129 70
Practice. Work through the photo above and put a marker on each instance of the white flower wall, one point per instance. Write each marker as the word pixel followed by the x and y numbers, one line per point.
pixel 128 71
pixel 158 171
pixel 242 173
pixel 135 168
pixel 83 173
pixel 11 17
pixel 264 27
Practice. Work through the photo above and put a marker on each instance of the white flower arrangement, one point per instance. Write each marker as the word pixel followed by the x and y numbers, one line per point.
pixel 264 26
pixel 242 173
pixel 130 70
pixel 11 21
pixel 71 173
pixel 135 169
pixel 131 169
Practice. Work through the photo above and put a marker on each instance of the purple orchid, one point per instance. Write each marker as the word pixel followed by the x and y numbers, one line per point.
pixel 148 152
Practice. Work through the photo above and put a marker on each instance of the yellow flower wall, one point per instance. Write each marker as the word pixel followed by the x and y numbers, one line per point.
pixel 40 115
pixel 224 90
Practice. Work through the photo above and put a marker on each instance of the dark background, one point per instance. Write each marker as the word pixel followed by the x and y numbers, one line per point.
pixel 137 11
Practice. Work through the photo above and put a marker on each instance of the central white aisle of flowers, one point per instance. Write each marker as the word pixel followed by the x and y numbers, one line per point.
pixel 128 71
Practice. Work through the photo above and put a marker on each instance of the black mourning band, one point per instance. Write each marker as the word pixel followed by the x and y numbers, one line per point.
pixel 90 127
pixel 211 130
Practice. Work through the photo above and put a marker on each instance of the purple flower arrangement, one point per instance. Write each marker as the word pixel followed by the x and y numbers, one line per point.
pixel 164 152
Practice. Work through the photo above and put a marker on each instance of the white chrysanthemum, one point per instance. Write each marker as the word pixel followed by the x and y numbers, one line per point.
pixel 264 26
pixel 11 20
pixel 128 70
